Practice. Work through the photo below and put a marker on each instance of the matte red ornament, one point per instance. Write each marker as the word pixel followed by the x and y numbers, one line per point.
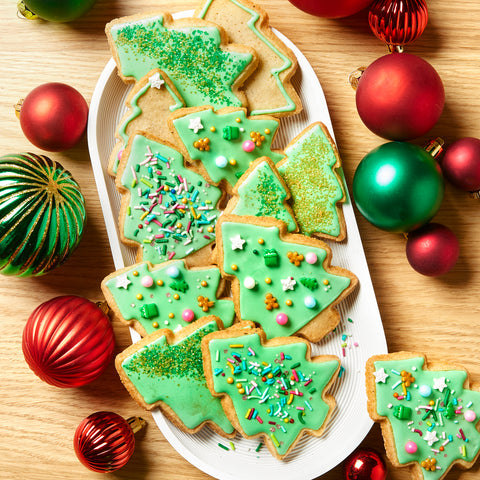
pixel 105 441
pixel 68 341
pixel 461 164
pixel 331 9
pixel 365 464
pixel 400 96
pixel 432 250
pixel 398 22
pixel 54 116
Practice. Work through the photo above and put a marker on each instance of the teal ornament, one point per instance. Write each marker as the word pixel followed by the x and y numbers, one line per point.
pixel 398 187
pixel 42 214
pixel 54 10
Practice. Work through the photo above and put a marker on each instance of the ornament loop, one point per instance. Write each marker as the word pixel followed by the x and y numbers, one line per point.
pixel 18 107
pixel 136 423
pixel 355 76
pixel 24 12
pixel 435 147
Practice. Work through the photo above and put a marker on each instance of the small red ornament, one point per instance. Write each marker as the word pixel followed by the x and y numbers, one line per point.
pixel 365 464
pixel 331 9
pixel 400 96
pixel 461 164
pixel 398 22
pixel 68 341
pixel 104 441
pixel 432 250
pixel 54 116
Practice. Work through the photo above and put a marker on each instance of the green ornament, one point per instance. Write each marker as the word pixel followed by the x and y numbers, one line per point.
pixel 54 10
pixel 398 187
pixel 42 214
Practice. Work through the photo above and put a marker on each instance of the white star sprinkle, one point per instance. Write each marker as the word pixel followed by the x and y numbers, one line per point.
pixel 430 437
pixel 237 242
pixel 439 384
pixel 288 283
pixel 380 375
pixel 195 124
pixel 156 81
pixel 122 281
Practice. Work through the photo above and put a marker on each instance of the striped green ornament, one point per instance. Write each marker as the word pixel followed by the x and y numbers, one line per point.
pixel 42 214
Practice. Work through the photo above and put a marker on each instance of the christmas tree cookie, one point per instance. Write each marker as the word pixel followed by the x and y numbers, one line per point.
pixel 269 90
pixel 224 144
pixel 272 389
pixel 167 209
pixel 149 104
pixel 168 295
pixel 429 414
pixel 165 370
pixel 191 52
pixel 283 282
pixel 261 192
pixel 310 170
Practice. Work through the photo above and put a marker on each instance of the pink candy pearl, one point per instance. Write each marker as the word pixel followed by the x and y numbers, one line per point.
pixel 282 319
pixel 147 281
pixel 248 146
pixel 311 258
pixel 469 415
pixel 411 447
pixel 188 315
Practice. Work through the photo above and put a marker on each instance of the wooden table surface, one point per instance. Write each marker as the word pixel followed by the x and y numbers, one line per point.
pixel 437 316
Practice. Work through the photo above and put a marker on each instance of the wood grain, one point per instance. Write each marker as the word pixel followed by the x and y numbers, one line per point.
pixel 437 316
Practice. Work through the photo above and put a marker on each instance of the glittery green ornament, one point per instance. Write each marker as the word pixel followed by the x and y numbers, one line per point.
pixel 42 214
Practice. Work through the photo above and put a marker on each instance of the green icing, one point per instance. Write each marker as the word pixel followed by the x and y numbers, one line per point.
pixel 174 374
pixel 124 288
pixel 290 104
pixel 265 374
pixel 252 264
pixel 315 189
pixel 220 146
pixel 172 210
pixel 201 71
pixel 441 427
pixel 261 194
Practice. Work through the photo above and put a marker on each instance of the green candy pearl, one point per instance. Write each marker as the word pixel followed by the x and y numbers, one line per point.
pixel 42 214
pixel 398 187
pixel 57 10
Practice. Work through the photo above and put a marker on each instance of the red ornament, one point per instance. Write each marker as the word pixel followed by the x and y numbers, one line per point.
pixel 365 464
pixel 54 116
pixel 432 250
pixel 400 96
pixel 331 9
pixel 68 341
pixel 461 164
pixel 398 22
pixel 104 441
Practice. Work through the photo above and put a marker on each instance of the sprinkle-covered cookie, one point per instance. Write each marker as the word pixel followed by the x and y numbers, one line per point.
pixel 165 370
pixel 269 90
pixel 283 282
pixel 192 52
pixel 272 389
pixel 167 209
pixel 168 295
pixel 429 414
pixel 261 192
pixel 311 171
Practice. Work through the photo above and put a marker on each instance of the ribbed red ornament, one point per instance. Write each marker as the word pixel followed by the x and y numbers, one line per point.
pixel 68 341
pixel 104 441
pixel 398 22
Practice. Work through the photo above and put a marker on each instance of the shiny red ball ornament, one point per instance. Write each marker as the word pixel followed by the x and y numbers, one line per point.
pixel 68 341
pixel 54 117
pixel 432 250
pixel 398 22
pixel 331 9
pixel 461 164
pixel 365 464
pixel 400 96
pixel 105 441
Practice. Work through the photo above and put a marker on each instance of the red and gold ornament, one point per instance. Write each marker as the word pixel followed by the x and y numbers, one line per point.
pixel 365 464
pixel 105 441
pixel 68 341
